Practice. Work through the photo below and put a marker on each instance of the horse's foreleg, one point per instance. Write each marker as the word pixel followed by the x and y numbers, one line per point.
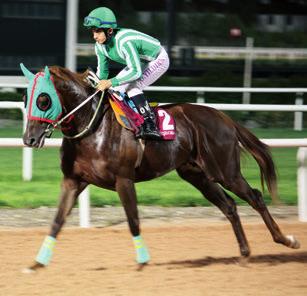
pixel 219 198
pixel 70 190
pixel 126 191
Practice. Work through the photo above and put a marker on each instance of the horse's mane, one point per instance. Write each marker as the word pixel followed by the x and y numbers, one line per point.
pixel 66 75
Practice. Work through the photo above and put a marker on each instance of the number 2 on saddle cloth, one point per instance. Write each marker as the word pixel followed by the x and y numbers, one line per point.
pixel 127 116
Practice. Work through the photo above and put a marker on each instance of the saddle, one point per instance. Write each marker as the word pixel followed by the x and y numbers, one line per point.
pixel 128 116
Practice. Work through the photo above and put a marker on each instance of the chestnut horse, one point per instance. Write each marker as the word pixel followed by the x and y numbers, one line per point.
pixel 205 153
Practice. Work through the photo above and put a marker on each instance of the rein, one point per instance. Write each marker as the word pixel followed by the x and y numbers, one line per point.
pixel 51 127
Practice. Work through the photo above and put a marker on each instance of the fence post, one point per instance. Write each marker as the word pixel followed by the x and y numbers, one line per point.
pixel 200 97
pixel 27 154
pixel 298 116
pixel 71 35
pixel 302 183
pixel 84 208
pixel 248 69
pixel 27 163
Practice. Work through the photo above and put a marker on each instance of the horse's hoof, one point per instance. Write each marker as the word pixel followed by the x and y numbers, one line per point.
pixel 294 243
pixel 33 268
pixel 141 266
pixel 28 270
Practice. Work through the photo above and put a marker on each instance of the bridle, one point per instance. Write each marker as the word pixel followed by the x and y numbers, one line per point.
pixel 52 126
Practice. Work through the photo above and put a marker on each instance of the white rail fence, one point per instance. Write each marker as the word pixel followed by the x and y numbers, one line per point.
pixel 87 49
pixel 13 82
pixel 200 91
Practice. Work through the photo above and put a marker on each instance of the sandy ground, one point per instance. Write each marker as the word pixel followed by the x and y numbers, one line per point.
pixel 189 257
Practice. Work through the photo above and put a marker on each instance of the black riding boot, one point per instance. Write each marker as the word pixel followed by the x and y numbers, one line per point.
pixel 148 130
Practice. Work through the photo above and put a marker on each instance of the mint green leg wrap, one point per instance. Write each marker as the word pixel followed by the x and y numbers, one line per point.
pixel 142 255
pixel 45 253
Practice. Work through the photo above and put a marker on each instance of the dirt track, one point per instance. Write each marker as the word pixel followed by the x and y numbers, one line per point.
pixel 189 257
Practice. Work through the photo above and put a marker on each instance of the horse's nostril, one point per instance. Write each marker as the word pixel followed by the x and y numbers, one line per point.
pixel 32 141
pixel 29 141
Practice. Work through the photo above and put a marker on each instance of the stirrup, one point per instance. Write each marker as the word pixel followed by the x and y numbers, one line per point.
pixel 148 134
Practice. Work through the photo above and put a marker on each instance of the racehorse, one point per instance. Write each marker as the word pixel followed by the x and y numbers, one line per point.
pixel 205 153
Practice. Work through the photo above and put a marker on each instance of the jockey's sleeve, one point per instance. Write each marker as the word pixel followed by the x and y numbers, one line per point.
pixel 133 62
pixel 102 64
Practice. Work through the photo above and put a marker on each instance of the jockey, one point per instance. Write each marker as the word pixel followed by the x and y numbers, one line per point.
pixel 144 57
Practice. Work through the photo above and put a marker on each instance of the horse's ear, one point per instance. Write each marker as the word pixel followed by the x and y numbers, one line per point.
pixel 27 73
pixel 47 73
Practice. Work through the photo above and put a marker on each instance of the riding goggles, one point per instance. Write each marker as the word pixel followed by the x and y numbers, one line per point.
pixel 96 22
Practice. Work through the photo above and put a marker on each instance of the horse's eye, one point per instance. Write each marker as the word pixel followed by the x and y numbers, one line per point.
pixel 25 98
pixel 43 102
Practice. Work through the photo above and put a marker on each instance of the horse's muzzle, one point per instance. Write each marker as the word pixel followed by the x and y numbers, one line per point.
pixel 35 135
pixel 37 142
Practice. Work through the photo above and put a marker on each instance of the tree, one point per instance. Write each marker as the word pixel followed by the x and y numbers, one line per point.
pixel 246 10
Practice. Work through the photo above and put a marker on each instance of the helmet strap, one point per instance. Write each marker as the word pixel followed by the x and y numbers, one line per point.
pixel 109 32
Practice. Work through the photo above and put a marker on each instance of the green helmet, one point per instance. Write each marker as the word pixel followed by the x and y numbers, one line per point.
pixel 101 17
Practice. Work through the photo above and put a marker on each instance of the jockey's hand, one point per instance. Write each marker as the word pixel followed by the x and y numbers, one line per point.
pixel 104 84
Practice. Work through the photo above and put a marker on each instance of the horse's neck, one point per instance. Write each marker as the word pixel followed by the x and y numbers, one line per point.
pixel 82 116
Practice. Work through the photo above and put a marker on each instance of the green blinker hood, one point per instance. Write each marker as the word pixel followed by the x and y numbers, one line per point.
pixel 39 84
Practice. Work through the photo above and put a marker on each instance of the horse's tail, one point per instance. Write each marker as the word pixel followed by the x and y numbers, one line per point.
pixel 261 153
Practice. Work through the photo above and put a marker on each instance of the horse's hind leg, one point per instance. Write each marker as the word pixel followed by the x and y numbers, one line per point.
pixel 241 188
pixel 216 195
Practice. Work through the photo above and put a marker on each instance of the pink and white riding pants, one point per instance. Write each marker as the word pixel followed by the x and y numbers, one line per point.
pixel 153 70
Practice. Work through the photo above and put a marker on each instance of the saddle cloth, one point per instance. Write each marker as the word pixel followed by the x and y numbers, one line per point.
pixel 129 118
